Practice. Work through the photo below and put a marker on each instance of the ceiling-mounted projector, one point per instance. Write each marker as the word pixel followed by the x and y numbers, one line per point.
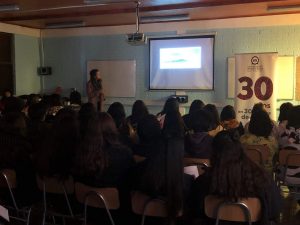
pixel 136 39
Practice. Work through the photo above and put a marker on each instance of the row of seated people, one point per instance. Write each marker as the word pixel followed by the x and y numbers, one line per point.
pixel 88 146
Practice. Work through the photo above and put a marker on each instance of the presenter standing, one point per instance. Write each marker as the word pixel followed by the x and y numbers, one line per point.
pixel 95 90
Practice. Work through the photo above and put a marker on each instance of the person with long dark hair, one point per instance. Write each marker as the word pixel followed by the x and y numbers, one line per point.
pixel 214 114
pixel 229 121
pixel 95 90
pixel 284 111
pixel 195 106
pixel 233 176
pixel 260 133
pixel 102 161
pixel 139 110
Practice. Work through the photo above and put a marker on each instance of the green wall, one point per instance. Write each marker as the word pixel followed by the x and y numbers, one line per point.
pixel 68 57
pixel 27 60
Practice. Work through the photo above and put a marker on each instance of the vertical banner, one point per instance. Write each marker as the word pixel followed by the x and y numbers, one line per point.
pixel 255 82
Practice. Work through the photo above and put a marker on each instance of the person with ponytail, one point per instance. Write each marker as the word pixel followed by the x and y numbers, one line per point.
pixel 95 90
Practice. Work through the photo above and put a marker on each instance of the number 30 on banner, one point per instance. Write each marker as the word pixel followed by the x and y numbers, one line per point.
pixel 257 88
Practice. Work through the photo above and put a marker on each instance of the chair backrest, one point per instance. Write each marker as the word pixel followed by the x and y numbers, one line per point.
pixel 143 204
pixel 219 209
pixel 54 185
pixel 252 151
pixel 8 177
pixel 90 196
pixel 200 163
pixel 288 157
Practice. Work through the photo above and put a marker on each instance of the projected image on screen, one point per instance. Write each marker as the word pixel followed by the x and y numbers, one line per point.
pixel 181 63
pixel 180 58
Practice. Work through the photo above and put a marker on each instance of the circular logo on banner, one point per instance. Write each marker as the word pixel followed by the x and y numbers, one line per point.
pixel 254 60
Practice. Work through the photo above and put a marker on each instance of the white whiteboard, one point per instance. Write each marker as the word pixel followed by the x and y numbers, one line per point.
pixel 118 77
pixel 285 72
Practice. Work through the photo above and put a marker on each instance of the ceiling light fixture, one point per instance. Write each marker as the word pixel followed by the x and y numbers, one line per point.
pixel 7 8
pixel 164 18
pixel 71 24
pixel 283 8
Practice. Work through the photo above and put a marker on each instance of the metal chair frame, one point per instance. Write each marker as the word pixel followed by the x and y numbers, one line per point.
pixel 25 210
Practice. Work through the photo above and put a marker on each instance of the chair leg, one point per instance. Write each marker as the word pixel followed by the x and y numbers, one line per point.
pixel 110 217
pixel 143 219
pixel 85 213
pixel 28 216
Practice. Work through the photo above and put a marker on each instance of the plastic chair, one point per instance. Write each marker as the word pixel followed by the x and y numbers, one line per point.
pixel 288 158
pixel 107 198
pixel 145 205
pixel 245 210
pixel 55 186
pixel 8 180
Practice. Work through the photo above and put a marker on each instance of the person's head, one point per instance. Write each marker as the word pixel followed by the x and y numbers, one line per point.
pixel 55 100
pixel 294 117
pixel 234 175
pixel 260 124
pixel 117 112
pixel 173 125
pixel 37 111
pixel 196 105
pixel 13 104
pixel 228 113
pixel 33 99
pixel 139 110
pixel 258 107
pixel 201 121
pixel 171 105
pixel 213 112
pixel 284 110
pixel 109 129
pixel 6 93
pixel 148 129
pixel 95 74
pixel 75 98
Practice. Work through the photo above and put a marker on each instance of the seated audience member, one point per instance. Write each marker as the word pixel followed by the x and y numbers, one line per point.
pixel 229 121
pixel 55 106
pixel 139 110
pixel 233 176
pixel 284 110
pixel 15 154
pixel 102 161
pixel 86 112
pixel 13 105
pixel 260 129
pixel 127 134
pixel 149 132
pixel 216 124
pixel 290 138
pixel 170 106
pixel 6 94
pixel 173 125
pixel 198 143
pixel 161 175
pixel 117 112
pixel 260 107
pixel 75 100
pixel 59 146
pixel 37 128
pixel 196 105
